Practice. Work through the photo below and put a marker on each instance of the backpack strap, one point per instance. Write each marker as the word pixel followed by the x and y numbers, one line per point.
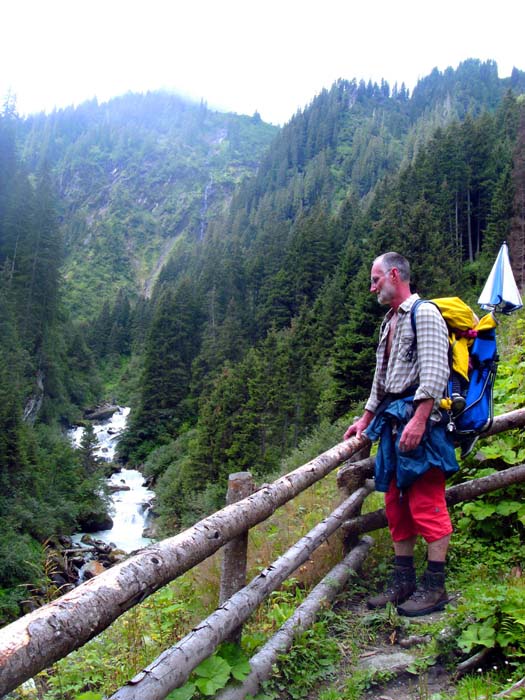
pixel 412 348
pixel 415 306
pixel 413 310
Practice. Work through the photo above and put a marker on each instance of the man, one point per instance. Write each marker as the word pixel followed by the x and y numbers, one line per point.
pixel 415 453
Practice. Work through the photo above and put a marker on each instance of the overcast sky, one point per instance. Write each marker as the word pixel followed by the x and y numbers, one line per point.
pixel 273 56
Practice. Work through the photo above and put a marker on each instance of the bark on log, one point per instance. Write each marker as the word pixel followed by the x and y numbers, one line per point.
pixel 173 667
pixel 510 691
pixel 352 474
pixel 235 552
pixel 472 662
pixel 40 638
pixel 233 568
pixel 477 487
pixel 454 494
pixel 325 592
pixel 507 421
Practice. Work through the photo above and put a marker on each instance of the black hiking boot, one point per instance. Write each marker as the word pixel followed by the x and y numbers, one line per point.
pixel 429 596
pixel 400 587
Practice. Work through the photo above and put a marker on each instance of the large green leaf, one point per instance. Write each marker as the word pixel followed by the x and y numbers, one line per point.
pixel 213 673
pixel 185 692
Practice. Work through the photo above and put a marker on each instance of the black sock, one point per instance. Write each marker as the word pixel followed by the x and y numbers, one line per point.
pixel 404 561
pixel 436 566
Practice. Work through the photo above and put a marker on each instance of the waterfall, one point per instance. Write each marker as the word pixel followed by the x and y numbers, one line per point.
pixel 204 210
pixel 130 499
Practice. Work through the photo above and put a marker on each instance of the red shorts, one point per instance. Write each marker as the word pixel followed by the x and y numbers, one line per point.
pixel 420 510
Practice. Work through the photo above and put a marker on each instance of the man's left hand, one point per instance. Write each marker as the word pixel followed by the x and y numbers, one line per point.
pixel 412 434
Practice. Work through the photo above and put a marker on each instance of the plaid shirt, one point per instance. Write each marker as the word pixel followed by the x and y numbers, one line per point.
pixel 427 367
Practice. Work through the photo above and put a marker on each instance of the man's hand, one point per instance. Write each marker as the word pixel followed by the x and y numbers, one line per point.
pixel 412 434
pixel 415 428
pixel 359 425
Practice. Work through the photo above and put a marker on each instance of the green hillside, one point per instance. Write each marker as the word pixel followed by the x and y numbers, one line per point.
pixel 134 176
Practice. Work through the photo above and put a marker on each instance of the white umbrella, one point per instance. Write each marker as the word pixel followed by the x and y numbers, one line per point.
pixel 501 291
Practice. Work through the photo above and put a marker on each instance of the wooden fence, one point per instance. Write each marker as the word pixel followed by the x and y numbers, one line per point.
pixel 37 640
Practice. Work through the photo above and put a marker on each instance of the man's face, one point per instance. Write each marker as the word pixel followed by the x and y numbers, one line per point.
pixel 381 284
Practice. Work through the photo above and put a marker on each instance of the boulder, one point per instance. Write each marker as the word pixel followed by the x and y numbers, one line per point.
pixel 92 569
pixel 151 532
pixel 101 412
pixel 94 522
pixel 114 488
pixel 115 556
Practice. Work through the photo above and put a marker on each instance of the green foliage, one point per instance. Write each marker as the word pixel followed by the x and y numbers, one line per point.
pixel 312 659
pixel 52 492
pixel 169 351
pixel 214 673
pixel 135 174
pixel 509 389
pixel 493 616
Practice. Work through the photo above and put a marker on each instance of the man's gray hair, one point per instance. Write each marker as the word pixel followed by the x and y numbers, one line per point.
pixel 391 260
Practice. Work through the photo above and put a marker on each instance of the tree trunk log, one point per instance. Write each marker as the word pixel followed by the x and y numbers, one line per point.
pixel 173 667
pixel 325 592
pixel 472 662
pixel 352 474
pixel 235 552
pixel 40 638
pixel 507 421
pixel 513 688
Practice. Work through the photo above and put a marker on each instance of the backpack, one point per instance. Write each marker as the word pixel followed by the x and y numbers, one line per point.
pixel 473 360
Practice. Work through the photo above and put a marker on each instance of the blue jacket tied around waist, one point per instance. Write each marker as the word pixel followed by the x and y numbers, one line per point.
pixel 436 448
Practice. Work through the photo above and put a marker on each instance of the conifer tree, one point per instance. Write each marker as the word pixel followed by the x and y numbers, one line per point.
pixel 88 444
pixel 173 341
pixel 517 226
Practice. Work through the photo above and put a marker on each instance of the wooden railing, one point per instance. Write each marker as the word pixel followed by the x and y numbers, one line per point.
pixel 37 640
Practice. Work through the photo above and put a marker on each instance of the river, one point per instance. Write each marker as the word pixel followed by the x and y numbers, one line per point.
pixel 130 504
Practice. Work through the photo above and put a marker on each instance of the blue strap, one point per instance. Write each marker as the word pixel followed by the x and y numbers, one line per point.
pixel 413 310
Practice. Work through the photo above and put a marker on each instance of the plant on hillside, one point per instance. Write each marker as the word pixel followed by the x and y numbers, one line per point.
pixel 493 616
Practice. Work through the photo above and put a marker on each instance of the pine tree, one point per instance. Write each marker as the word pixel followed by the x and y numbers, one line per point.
pixel 172 344
pixel 517 227
pixel 88 445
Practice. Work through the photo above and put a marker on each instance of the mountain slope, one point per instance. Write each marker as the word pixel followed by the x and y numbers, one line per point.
pixel 134 175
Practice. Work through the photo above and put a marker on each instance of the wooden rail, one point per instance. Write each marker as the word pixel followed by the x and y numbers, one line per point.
pixel 37 640
pixel 174 666
pixel 46 635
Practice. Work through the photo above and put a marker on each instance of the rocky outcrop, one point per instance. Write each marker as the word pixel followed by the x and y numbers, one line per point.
pixel 69 563
pixel 34 402
pixel 102 412
pixel 94 522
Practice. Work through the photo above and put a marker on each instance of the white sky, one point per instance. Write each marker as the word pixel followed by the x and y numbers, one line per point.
pixel 273 56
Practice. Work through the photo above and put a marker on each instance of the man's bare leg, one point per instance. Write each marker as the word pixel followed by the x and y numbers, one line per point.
pixel 437 551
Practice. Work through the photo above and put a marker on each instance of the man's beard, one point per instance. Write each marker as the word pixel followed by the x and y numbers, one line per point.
pixel 386 294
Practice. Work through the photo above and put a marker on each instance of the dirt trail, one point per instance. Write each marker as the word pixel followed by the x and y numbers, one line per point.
pixel 393 653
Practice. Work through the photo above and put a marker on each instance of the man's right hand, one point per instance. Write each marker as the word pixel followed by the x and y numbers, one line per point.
pixel 359 425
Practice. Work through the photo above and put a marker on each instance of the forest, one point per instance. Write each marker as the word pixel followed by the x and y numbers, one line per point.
pixel 211 271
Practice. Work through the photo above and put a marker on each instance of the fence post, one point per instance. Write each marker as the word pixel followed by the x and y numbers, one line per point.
pixel 233 570
pixel 355 478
